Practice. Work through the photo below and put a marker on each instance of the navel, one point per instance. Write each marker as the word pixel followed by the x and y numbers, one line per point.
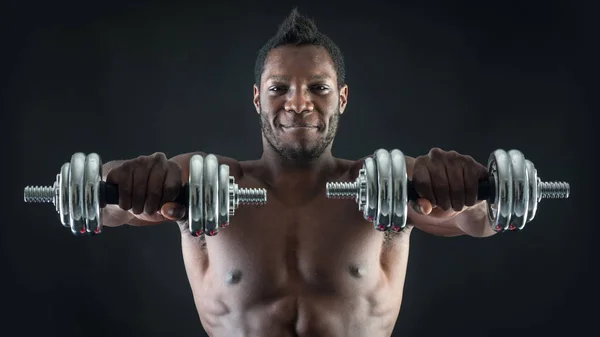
pixel 357 271
pixel 233 277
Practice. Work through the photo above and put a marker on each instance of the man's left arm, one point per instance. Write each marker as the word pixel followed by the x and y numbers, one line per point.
pixel 435 170
pixel 472 221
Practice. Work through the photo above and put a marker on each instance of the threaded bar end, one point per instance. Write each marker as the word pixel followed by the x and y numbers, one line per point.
pixel 554 190
pixel 341 190
pixel 252 196
pixel 39 194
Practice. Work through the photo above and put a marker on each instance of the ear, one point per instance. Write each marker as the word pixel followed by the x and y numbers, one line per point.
pixel 256 99
pixel 343 98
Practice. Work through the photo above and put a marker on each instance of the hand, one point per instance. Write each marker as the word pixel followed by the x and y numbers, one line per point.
pixel 148 184
pixel 446 180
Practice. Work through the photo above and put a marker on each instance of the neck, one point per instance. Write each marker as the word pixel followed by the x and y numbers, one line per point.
pixel 304 178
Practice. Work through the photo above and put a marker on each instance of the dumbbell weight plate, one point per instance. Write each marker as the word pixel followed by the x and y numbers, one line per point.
pixel 384 190
pixel 223 218
pixel 399 193
pixel 500 209
pixel 370 208
pixel 92 177
pixel 63 194
pixel 533 191
pixel 520 190
pixel 211 195
pixel 76 194
pixel 196 196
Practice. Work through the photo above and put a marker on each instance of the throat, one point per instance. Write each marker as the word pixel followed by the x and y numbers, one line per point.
pixel 297 184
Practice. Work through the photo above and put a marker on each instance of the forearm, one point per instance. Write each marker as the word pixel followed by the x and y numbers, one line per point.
pixel 473 221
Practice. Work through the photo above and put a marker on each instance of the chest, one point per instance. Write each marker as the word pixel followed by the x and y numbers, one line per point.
pixel 322 245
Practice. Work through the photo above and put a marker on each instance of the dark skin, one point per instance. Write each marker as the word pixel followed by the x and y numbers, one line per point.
pixel 301 265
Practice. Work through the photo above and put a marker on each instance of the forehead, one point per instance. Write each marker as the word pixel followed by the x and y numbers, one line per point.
pixel 299 61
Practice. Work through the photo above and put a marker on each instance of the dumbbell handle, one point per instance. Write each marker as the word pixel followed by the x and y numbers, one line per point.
pixel 109 194
pixel 486 190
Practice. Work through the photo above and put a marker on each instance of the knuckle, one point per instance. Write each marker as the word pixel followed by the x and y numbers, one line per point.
pixel 160 165
pixel 139 159
pixel 453 153
pixel 454 156
pixel 435 152
pixel 159 157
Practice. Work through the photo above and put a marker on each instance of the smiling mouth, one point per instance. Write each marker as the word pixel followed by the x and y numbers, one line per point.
pixel 291 127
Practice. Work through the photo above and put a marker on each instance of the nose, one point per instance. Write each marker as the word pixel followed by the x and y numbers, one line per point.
pixel 299 102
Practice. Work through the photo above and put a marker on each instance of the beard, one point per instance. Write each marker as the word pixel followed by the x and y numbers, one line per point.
pixel 299 152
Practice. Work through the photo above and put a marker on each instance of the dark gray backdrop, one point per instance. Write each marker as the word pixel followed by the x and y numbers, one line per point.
pixel 138 77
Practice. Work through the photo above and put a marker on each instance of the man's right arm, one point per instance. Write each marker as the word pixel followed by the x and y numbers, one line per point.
pixel 114 216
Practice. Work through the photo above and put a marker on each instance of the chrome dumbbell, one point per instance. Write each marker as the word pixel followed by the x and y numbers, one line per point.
pixel 78 194
pixel 512 190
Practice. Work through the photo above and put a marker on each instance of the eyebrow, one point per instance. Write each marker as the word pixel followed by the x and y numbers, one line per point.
pixel 285 78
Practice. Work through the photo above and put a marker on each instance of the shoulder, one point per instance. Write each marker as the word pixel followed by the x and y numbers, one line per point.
pixel 235 168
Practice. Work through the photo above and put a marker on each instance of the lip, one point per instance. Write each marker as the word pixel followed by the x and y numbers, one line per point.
pixel 298 127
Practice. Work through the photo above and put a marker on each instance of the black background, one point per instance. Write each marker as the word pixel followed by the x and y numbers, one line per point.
pixel 136 77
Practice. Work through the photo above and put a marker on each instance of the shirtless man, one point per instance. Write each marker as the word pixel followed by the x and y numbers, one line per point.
pixel 301 265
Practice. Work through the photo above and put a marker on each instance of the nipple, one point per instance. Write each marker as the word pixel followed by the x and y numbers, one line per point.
pixel 357 271
pixel 233 277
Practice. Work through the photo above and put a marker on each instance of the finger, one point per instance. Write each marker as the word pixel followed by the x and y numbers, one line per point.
pixel 140 185
pixel 439 182
pixel 172 184
pixel 471 181
pixel 456 182
pixel 421 181
pixel 123 178
pixel 424 206
pixel 154 193
pixel 173 211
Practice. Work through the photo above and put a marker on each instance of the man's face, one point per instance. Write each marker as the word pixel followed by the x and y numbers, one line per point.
pixel 299 101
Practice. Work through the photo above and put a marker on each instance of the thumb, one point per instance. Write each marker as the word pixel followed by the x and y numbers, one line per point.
pixel 173 211
pixel 422 206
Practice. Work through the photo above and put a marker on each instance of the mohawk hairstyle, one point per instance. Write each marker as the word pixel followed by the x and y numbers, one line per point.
pixel 299 30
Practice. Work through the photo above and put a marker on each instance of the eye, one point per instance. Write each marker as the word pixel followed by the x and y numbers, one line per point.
pixel 277 88
pixel 320 88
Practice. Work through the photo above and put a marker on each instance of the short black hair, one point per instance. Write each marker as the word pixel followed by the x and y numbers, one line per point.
pixel 299 30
